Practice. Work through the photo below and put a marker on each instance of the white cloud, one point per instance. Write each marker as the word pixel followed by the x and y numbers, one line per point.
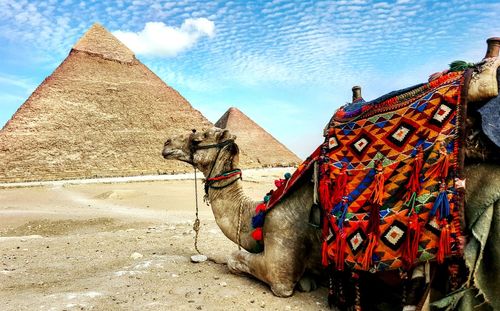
pixel 13 81
pixel 159 39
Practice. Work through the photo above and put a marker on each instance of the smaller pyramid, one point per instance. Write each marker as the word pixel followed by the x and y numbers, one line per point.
pixel 258 148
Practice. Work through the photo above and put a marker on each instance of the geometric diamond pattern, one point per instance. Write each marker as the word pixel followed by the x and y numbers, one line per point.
pixel 441 114
pixel 394 236
pixel 332 142
pixel 361 144
pixel 401 134
pixel 355 240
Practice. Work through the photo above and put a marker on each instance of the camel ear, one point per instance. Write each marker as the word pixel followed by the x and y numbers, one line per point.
pixel 196 137
pixel 226 135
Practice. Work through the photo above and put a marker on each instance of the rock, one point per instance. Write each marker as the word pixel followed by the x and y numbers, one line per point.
pixel 136 256
pixel 223 284
pixel 304 285
pixel 198 258
pixel 263 304
pixel 216 277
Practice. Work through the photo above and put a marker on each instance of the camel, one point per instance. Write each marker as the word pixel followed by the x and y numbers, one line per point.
pixel 292 245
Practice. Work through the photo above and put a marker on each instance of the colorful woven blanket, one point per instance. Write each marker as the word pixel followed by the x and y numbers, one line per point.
pixel 389 179
pixel 389 175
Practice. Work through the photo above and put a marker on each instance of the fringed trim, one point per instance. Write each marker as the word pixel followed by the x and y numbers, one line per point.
pixel 368 257
pixel 413 233
pixel 324 254
pixel 414 183
pixel 444 249
pixel 340 186
pixel 340 211
pixel 439 170
pixel 442 204
pixel 410 246
pixel 376 199
pixel 325 185
pixel 340 250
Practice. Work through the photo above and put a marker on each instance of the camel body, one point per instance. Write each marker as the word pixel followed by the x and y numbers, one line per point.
pixel 291 244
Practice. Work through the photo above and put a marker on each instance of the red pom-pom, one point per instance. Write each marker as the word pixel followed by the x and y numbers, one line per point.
pixel 279 182
pixel 257 234
pixel 260 208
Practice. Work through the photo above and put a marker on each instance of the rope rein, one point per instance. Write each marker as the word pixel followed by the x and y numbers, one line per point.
pixel 238 232
pixel 196 225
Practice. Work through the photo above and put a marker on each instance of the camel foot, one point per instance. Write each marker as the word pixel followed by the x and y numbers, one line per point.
pixel 307 284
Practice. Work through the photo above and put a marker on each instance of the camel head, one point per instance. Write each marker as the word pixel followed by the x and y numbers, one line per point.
pixel 203 149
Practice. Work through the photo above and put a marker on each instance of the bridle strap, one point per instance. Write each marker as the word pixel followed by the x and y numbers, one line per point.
pixel 218 145
pixel 222 176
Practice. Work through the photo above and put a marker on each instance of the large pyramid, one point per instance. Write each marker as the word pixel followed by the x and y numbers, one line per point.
pixel 258 148
pixel 100 113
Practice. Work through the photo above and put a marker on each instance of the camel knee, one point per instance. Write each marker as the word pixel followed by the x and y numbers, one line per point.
pixel 282 290
pixel 236 263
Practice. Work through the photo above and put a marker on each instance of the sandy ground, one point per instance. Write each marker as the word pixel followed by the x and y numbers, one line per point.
pixel 125 246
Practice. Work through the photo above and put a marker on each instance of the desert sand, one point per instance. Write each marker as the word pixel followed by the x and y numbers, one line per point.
pixel 125 246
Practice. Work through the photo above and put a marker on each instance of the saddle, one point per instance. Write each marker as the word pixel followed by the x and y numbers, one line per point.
pixel 390 179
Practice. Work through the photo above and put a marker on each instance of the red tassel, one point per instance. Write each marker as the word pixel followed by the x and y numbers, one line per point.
pixel 374 221
pixel 372 244
pixel 378 192
pixel 257 234
pixel 340 251
pixel 340 185
pixel 324 194
pixel 324 254
pixel 376 200
pixel 260 208
pixel 410 246
pixel 439 170
pixel 444 242
pixel 413 185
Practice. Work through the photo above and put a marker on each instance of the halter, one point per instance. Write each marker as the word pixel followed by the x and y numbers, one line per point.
pixel 222 176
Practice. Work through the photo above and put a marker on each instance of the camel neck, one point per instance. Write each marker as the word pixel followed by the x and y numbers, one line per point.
pixel 227 204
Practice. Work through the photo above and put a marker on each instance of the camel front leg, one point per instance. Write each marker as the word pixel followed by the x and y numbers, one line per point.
pixel 281 280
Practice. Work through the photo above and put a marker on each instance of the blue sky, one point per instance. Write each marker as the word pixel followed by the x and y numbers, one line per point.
pixel 286 64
